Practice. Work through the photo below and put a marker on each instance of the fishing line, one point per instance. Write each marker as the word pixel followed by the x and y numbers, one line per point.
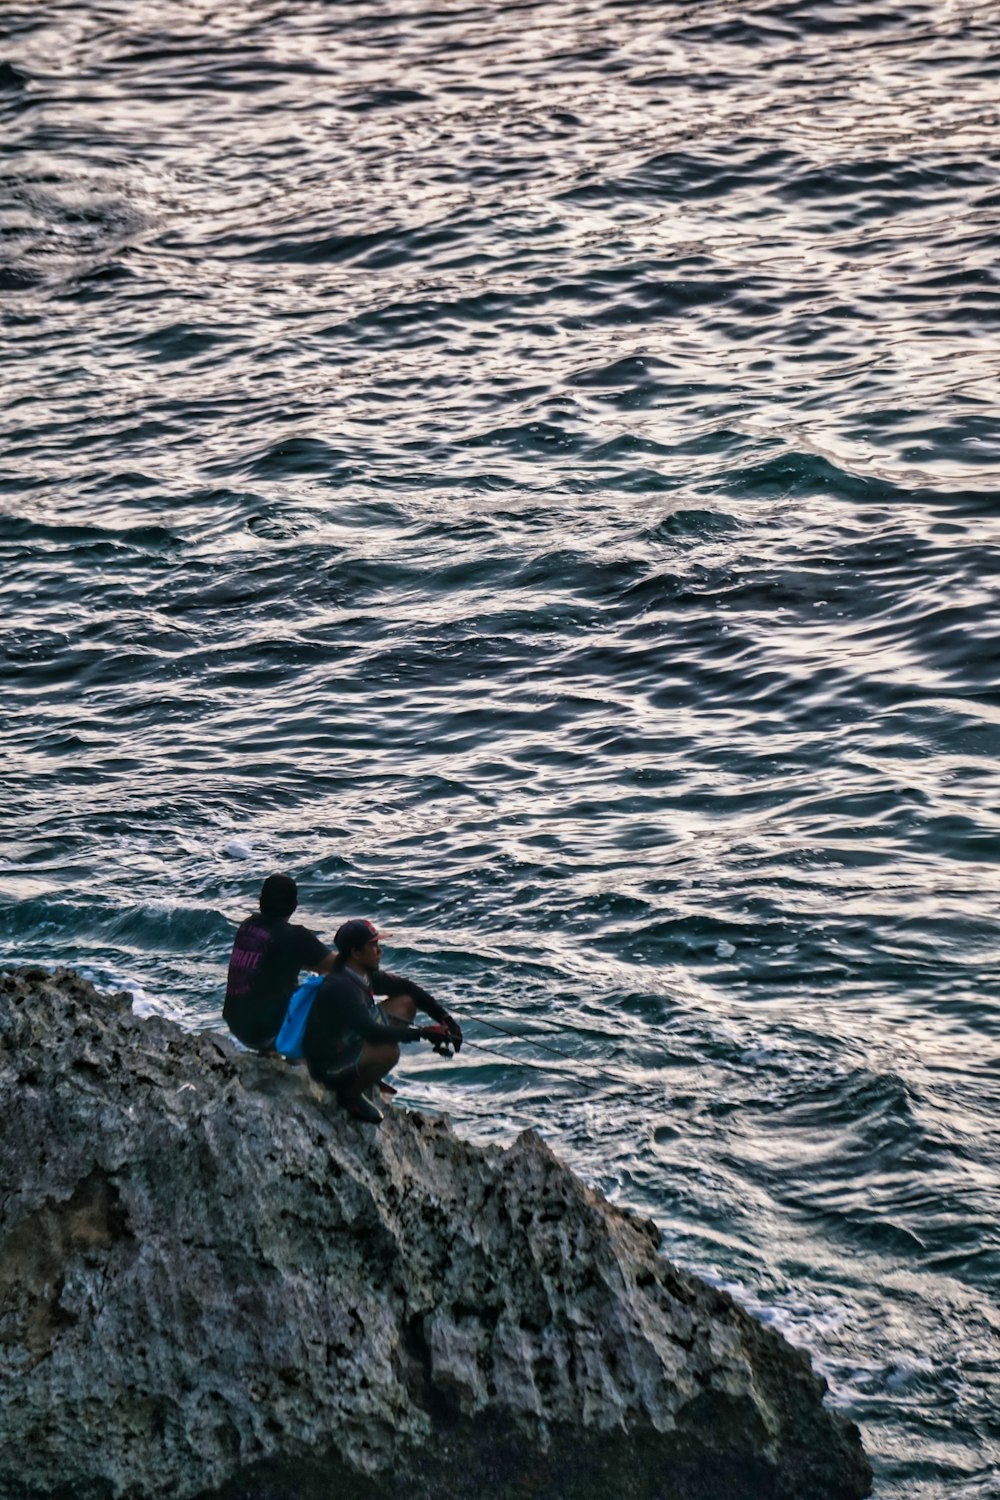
pixel 545 1021
pixel 524 1062
pixel 526 1036
pixel 461 1104
pixel 565 1057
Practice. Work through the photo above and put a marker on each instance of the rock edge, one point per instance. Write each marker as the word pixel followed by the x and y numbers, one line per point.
pixel 213 1283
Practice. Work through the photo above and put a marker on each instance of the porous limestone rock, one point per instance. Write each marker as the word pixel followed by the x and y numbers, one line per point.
pixel 213 1282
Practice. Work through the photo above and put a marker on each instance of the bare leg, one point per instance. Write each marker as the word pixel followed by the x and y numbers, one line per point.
pixel 375 1062
pixel 399 1008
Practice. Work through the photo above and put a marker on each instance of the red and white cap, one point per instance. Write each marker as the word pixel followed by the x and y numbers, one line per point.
pixel 356 933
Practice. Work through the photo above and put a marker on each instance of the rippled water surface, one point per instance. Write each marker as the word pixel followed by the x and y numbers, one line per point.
pixel 530 470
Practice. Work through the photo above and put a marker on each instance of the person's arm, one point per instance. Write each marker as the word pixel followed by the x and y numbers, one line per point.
pixel 384 983
pixel 311 952
pixel 359 1018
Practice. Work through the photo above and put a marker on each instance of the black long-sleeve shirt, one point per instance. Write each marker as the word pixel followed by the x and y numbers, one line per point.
pixel 344 1011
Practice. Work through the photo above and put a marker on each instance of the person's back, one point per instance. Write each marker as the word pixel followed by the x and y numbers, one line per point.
pixel 268 953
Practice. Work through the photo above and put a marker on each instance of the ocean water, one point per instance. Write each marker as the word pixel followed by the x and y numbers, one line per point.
pixel 530 470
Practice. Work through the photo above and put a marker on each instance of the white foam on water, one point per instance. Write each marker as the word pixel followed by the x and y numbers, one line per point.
pixel 804 1322
pixel 238 849
pixel 143 1004
pixel 903 1372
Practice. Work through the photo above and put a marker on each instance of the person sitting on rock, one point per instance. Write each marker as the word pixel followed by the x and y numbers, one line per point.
pixel 268 953
pixel 350 1041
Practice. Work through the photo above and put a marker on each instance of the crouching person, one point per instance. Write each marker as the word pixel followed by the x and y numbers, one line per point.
pixel 351 1041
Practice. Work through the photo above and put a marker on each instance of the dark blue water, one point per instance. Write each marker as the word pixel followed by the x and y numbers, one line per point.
pixel 531 470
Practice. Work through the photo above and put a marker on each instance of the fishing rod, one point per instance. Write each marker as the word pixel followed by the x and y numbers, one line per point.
pixel 549 1024
pixel 615 1080
pixel 565 1057
pixel 443 1049
pixel 527 1063
pixel 464 1103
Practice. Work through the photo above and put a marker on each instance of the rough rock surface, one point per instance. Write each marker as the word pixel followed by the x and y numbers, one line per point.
pixel 213 1282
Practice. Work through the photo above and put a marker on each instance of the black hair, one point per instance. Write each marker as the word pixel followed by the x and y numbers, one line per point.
pixel 279 896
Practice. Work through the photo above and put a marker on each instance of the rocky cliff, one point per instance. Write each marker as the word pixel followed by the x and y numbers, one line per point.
pixel 212 1282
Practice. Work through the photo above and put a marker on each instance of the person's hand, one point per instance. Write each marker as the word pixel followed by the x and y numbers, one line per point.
pixel 454 1031
pixel 439 1037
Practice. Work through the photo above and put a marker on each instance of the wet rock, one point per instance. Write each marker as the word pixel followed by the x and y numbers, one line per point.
pixel 212 1282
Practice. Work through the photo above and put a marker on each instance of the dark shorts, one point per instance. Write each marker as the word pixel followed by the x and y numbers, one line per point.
pixel 255 1043
pixel 343 1064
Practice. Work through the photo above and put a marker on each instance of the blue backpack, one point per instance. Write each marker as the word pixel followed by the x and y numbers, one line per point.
pixel 293 1027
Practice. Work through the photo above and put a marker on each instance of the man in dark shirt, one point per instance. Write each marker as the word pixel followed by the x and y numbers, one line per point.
pixel 268 952
pixel 351 1042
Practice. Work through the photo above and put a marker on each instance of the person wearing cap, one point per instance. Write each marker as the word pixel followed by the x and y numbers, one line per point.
pixel 268 953
pixel 351 1042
